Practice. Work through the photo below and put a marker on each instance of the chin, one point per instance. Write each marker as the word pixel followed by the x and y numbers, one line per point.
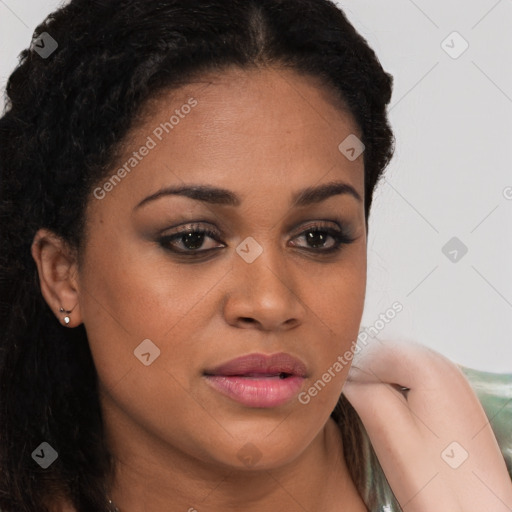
pixel 262 449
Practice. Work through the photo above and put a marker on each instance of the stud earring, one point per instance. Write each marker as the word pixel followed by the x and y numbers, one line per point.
pixel 66 318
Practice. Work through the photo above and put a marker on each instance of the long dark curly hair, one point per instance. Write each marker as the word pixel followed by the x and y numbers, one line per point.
pixel 65 119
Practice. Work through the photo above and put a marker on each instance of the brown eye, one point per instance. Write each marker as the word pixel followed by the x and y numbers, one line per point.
pixel 317 237
pixel 191 240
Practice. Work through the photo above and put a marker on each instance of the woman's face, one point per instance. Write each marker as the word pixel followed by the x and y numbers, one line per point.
pixel 164 311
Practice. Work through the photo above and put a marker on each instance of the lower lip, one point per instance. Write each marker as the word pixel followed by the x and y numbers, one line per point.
pixel 257 391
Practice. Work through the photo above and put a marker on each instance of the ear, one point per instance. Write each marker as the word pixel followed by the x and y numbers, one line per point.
pixel 58 275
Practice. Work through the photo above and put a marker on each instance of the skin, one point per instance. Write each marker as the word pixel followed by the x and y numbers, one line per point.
pixel 264 135
pixel 435 442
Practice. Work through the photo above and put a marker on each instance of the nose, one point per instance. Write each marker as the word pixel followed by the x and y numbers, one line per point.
pixel 264 294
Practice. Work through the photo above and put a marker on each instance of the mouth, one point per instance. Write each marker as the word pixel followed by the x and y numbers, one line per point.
pixel 258 380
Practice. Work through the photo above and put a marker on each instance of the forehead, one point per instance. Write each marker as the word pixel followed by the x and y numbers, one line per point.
pixel 241 129
pixel 255 97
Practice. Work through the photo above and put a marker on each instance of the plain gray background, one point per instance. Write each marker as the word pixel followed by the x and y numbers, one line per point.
pixel 450 178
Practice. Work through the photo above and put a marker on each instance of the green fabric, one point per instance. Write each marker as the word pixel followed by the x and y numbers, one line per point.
pixel 495 394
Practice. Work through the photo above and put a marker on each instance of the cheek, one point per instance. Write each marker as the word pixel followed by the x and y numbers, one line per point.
pixel 141 320
pixel 337 307
pixel 335 294
pixel 129 300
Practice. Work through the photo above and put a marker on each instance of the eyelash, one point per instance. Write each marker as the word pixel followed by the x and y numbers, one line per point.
pixel 340 238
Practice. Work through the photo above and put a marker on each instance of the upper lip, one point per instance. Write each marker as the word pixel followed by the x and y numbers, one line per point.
pixel 261 364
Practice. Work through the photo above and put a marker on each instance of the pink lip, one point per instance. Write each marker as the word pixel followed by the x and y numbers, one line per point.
pixel 258 380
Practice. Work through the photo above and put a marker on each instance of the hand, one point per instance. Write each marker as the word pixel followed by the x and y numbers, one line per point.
pixel 428 429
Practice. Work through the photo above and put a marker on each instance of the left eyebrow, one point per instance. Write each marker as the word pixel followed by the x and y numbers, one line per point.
pixel 214 195
pixel 313 195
